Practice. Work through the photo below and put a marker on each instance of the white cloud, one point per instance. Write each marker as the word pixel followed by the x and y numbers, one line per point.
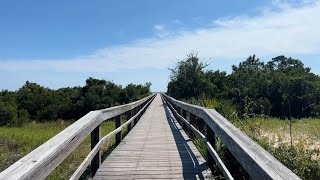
pixel 159 27
pixel 161 31
pixel 290 30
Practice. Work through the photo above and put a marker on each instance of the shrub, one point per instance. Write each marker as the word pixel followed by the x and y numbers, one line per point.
pixel 302 162
pixel 11 116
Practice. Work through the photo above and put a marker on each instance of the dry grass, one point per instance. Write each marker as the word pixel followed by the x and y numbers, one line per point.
pixel 302 156
pixel 305 132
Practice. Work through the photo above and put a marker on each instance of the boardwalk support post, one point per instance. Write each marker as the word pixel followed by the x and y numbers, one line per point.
pixel 96 161
pixel 212 140
pixel 130 113
pixel 136 118
pixel 184 115
pixel 118 124
pixel 179 112
pixel 192 118
pixel 140 107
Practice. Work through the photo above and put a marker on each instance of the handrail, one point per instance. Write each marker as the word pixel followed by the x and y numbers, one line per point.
pixel 39 163
pixel 202 137
pixel 257 162
pixel 95 150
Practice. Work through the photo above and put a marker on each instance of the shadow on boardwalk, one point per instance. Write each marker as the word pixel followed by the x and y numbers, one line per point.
pixel 192 169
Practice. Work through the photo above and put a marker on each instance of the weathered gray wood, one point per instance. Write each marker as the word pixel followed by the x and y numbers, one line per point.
pixel 40 162
pixel 43 160
pixel 92 154
pixel 190 126
pixel 184 115
pixel 213 154
pixel 136 119
pixel 156 147
pixel 129 115
pixel 96 161
pixel 178 112
pixel 192 118
pixel 254 159
pixel 219 162
pixel 118 124
pixel 117 110
pixel 97 147
pixel 211 139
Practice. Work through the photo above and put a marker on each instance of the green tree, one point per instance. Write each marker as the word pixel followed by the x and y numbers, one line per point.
pixel 188 79
pixel 10 115
pixel 282 87
pixel 99 94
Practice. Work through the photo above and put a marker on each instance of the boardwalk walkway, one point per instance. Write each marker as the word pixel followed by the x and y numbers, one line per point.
pixel 156 148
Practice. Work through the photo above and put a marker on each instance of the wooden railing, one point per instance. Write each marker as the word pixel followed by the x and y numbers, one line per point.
pixel 39 163
pixel 256 161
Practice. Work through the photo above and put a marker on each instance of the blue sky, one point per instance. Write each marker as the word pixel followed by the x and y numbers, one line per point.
pixel 62 43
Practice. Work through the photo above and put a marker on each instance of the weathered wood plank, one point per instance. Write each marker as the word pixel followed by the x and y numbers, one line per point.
pixel 96 149
pixel 43 160
pixel 210 150
pixel 154 176
pixel 212 141
pixel 96 161
pixel 254 159
pixel 156 147
pixel 118 124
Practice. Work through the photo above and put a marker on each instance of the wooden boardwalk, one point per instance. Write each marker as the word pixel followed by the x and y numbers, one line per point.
pixel 156 148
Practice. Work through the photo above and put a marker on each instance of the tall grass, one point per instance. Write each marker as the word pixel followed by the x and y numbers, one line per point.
pixel 302 156
pixel 16 142
pixel 298 148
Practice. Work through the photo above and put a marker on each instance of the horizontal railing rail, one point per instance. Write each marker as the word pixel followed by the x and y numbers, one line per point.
pixel 256 161
pixel 39 163
pixel 197 133
pixel 105 139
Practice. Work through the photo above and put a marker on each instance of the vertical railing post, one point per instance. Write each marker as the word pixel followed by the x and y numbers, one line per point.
pixel 134 113
pixel 212 140
pixel 96 161
pixel 172 108
pixel 118 124
pixel 130 114
pixel 175 114
pixel 140 106
pixel 192 118
pixel 178 112
pixel 144 104
pixel 184 115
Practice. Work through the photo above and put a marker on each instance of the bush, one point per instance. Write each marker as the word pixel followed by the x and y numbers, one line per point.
pixel 43 104
pixel 7 114
pixel 302 162
pixel 11 116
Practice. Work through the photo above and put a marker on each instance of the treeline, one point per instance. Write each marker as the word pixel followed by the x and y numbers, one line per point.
pixel 35 102
pixel 281 87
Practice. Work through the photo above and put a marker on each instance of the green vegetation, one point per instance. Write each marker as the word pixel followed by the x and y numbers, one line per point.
pixel 275 103
pixel 32 115
pixel 16 142
pixel 299 151
pixel 41 104
pixel 282 87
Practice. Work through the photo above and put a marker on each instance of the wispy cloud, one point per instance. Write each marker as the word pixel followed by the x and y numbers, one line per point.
pixel 161 30
pixel 282 29
pixel 159 27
